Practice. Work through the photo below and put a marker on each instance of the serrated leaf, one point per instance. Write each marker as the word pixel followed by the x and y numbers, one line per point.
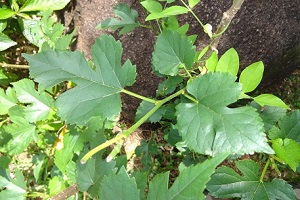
pixel 169 85
pixel 40 102
pixel 189 184
pixel 145 107
pixel 73 143
pixel 270 100
pixel 193 3
pixel 170 11
pixel 287 150
pixel 251 76
pixel 119 186
pixel 229 62
pixel 97 91
pixel 128 19
pixel 21 130
pixel 5 42
pixel 141 179
pixel 171 51
pixel 6 13
pixel 39 5
pixel 146 150
pixel 226 183
pixel 152 6
pixel 210 127
pixel 8 99
pixel 288 127
pixel 12 189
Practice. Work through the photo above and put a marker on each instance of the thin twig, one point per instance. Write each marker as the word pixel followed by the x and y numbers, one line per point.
pixel 66 193
pixel 6 65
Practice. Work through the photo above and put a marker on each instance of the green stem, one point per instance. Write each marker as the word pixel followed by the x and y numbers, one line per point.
pixel 191 11
pixel 139 96
pixel 189 74
pixel 3 64
pixel 189 97
pixel 264 171
pixel 125 134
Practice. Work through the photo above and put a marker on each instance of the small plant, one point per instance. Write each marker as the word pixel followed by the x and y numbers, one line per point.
pixel 206 110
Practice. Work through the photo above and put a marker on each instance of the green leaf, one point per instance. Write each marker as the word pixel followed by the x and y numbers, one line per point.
pixel 212 61
pixel 119 186
pixel 251 76
pixel 270 100
pixel 287 150
pixel 72 143
pixel 21 130
pixel 190 183
pixel 40 102
pixel 193 3
pixel 4 162
pixel 38 5
pixel 97 91
pixel 226 183
pixel 40 161
pixel 170 11
pixel 3 25
pixel 288 127
pixel 152 6
pixel 210 127
pixel 146 150
pixel 6 13
pixel 12 189
pixel 56 184
pixel 8 99
pixel 229 62
pixel 169 85
pixel 128 19
pixel 171 51
pixel 141 179
pixel 145 107
pixel 5 42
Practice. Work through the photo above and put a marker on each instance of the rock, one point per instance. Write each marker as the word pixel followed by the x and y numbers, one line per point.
pixel 262 30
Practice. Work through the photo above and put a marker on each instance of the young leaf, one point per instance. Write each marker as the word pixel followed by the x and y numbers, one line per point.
pixel 170 11
pixel 8 99
pixel 226 183
pixel 188 185
pixel 288 127
pixel 287 150
pixel 119 186
pixel 40 102
pixel 6 13
pixel 12 188
pixel 210 127
pixel 5 42
pixel 193 3
pixel 251 76
pixel 229 62
pixel 21 130
pixel 128 19
pixel 97 91
pixel 212 61
pixel 152 6
pixel 38 5
pixel 171 51
pixel 270 100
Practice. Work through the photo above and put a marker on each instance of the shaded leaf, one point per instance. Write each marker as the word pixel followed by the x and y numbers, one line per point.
pixel 226 183
pixel 169 85
pixel 38 5
pixel 229 62
pixel 40 102
pixel 172 51
pixel 210 127
pixel 146 150
pixel 270 100
pixel 158 187
pixel 119 186
pixel 97 91
pixel 128 19
pixel 251 76
pixel 288 127
pixel 12 189
pixel 145 107
pixel 287 150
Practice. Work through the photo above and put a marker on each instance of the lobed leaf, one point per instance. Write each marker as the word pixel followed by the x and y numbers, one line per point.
pixel 210 127
pixel 8 99
pixel 128 19
pixel 172 50
pixel 226 183
pixel 12 189
pixel 97 90
pixel 287 150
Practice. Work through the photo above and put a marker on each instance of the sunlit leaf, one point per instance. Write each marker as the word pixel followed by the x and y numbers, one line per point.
pixel 38 5
pixel 251 76
pixel 270 100
pixel 229 62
